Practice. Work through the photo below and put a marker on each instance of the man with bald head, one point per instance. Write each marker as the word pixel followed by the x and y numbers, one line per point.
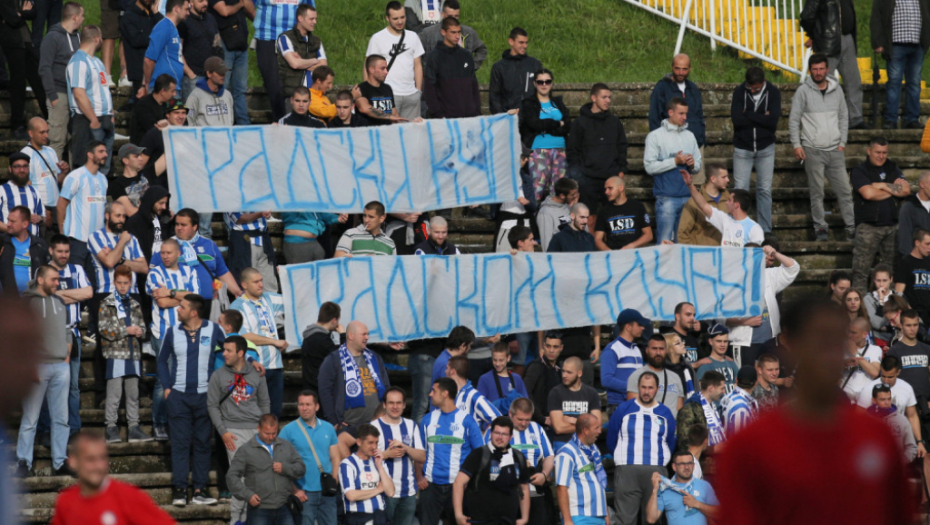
pixel 570 400
pixel 863 359
pixel 580 477
pixel 574 237
pixel 46 172
pixel 623 223
pixel 913 215
pixel 352 383
pixel 262 313
pixel 436 243
pixel 676 84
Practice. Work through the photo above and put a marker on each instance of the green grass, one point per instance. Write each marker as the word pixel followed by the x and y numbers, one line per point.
pixel 579 40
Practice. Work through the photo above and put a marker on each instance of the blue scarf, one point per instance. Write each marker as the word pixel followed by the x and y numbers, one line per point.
pixel 715 434
pixel 355 392
pixel 594 456
pixel 189 250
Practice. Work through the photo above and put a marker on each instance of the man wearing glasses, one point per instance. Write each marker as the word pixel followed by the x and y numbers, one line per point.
pixel 684 498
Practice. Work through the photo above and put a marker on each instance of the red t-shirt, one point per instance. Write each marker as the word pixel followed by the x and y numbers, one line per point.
pixel 781 470
pixel 117 504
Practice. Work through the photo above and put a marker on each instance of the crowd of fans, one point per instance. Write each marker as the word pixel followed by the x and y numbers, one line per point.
pixel 502 429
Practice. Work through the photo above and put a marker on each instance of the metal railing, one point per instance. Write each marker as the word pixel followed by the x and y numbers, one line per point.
pixel 768 30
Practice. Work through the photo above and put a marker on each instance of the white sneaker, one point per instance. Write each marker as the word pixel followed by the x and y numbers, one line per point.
pixel 110 82
pixel 124 82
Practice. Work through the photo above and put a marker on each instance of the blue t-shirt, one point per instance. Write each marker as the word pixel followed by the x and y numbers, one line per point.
pixel 22 263
pixel 726 367
pixel 549 111
pixel 323 436
pixel 671 502
pixel 165 50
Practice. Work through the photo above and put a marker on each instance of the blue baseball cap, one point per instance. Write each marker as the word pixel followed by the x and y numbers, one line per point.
pixel 632 316
pixel 717 329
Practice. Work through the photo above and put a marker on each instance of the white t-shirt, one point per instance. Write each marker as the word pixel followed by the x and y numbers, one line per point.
pixel 400 77
pixel 736 233
pixel 860 379
pixel 902 395
pixel 925 204
pixel 682 86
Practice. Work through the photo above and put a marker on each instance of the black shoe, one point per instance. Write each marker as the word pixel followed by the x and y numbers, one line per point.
pixel 822 235
pixel 64 470
pixel 889 125
pixel 860 125
pixel 914 124
pixel 22 469
pixel 179 497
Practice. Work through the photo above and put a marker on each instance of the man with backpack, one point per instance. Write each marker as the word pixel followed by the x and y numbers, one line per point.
pixel 492 486
pixel 500 386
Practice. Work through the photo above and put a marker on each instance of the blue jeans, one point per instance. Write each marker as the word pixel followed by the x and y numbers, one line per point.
pixel 275 380
pixel 188 85
pixel 906 62
pixel 524 339
pixel 106 136
pixel 74 398
pixel 668 213
pixel 764 162
pixel 206 226
pixel 319 509
pixel 399 510
pixel 237 81
pixel 54 384
pixel 421 374
pixel 279 516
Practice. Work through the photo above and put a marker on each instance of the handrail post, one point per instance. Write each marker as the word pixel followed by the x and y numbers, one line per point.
pixel 684 24
pixel 713 25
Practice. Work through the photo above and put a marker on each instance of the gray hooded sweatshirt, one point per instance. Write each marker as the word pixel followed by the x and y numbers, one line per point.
pixel 552 215
pixel 247 400
pixel 818 119
pixel 57 48
pixel 56 338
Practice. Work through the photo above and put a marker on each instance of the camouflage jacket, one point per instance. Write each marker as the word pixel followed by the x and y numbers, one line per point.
pixel 691 414
pixel 115 342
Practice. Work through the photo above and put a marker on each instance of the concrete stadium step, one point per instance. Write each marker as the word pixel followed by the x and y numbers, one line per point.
pixel 192 514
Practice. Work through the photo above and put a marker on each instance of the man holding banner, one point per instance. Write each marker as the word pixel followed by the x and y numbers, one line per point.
pixel 250 246
pixel 368 238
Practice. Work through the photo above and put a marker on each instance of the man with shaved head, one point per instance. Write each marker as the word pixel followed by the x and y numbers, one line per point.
pixel 46 172
pixel 676 84
pixel 913 215
pixel 570 400
pixel 436 243
pixel 574 237
pixel 352 383
pixel 623 223
pixel 580 477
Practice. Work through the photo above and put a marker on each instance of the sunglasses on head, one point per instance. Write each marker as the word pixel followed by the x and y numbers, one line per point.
pixel 544 82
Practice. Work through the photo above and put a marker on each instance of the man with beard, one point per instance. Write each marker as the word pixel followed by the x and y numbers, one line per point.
pixel 641 434
pixel 149 224
pixel 18 192
pixel 128 188
pixel 685 499
pixel 543 375
pixel 569 401
pixel 676 84
pixel 199 37
pixel 670 391
pixel 163 54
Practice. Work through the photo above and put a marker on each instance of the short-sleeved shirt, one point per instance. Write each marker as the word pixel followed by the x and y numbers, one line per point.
pixel 915 361
pixel 204 257
pixel 285 46
pixel 491 502
pixel 576 470
pixel 622 224
pixel 43 173
pixel 87 194
pixel 12 195
pixel 672 502
pixel 261 317
pixel 855 378
pixel 259 226
pixel 401 76
pixel 87 72
pixel 359 242
pixel 356 473
pixel 670 387
pixel 380 98
pixel 401 470
pixel 549 111
pixel 273 17
pixel 183 278
pixel 323 436
pixel 902 395
pixel 103 239
pixel 736 233
pixel 573 404
pixel 726 367
pixel 914 273
pixel 886 210
pixel 165 50
pixel 130 187
pixel 449 438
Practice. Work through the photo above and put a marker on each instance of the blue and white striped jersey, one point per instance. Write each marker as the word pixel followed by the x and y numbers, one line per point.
pixel 575 470
pixel 532 442
pixel 356 473
pixel 184 278
pixel 103 239
pixel 12 195
pixel 72 277
pixel 43 173
pixel 273 17
pixel 87 72
pixel 618 362
pixel 259 225
pixel 470 400
pixel 193 357
pixel 87 196
pixel 261 317
pixel 739 410
pixel 401 469
pixel 640 435
pixel 449 439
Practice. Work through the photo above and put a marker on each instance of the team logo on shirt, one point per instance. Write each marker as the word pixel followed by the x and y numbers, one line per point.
pixel 204 340
pixel 353 388
pixel 587 468
pixel 525 446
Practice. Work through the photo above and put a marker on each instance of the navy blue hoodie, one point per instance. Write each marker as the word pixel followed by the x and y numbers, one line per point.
pixel 665 90
pixel 755 123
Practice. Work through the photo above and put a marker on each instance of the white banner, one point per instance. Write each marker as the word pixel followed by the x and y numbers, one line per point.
pixel 414 297
pixel 412 167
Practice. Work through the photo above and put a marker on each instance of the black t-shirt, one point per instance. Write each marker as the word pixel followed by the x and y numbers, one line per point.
pixel 622 224
pixel 198 35
pixel 154 144
pixel 915 274
pixel 132 187
pixel 380 98
pixel 887 209
pixel 694 350
pixel 573 404
pixel 914 362
pixel 498 489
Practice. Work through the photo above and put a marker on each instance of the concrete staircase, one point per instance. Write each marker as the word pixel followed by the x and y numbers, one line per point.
pixel 148 464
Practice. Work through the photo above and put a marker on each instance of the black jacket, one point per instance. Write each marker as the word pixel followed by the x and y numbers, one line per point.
pixel 511 81
pixel 911 217
pixel 531 125
pixel 880 26
pixel 146 112
pixel 570 240
pixel 754 125
pixel 317 344
pixel 38 253
pixel 597 144
pixel 822 20
pixel 135 27
pixel 355 121
pixel 450 86
pixel 142 224
pixel 13 30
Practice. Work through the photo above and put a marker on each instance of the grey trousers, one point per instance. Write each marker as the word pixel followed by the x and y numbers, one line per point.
pixel 301 252
pixel 632 489
pixel 848 68
pixel 115 388
pixel 265 267
pixel 408 106
pixel 58 117
pixel 828 165
pixel 237 506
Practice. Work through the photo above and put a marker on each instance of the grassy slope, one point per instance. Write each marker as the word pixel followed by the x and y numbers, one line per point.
pixel 580 40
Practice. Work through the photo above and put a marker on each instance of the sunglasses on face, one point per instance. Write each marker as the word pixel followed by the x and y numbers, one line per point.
pixel 543 82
